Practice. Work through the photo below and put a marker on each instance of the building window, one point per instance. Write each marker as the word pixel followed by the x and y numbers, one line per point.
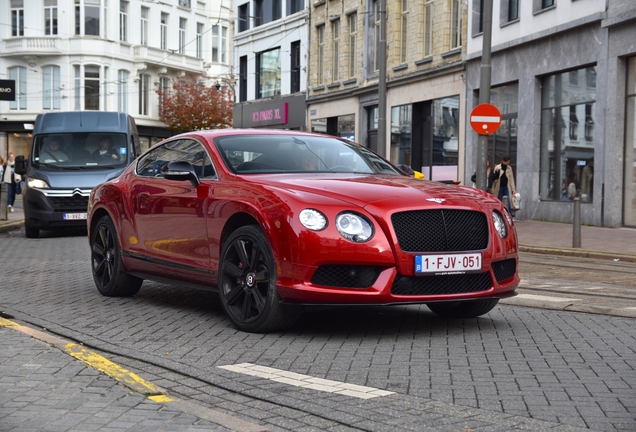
pixel 243 17
pixel 185 3
pixel 182 35
pixel 18 74
pixel 123 21
pixel 87 17
pixel 352 44
pixel 199 40
pixel 164 31
pixel 335 34
pixel 223 44
pixel 266 11
pixel 294 6
pixel 513 10
pixel 294 85
pixel 401 137
pixel 376 34
pixel 17 17
pixel 428 28
pixel 456 24
pixel 77 87
pixel 321 54
pixel 538 5
pixel 51 87
pixel 567 109
pixel 404 21
pixel 268 73
pixel 122 91
pixel 144 93
pixel 144 25
pixel 91 87
pixel 243 79
pixel 165 87
pixel 50 17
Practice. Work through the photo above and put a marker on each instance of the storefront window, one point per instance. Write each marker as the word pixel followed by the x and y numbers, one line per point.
pixel 568 116
pixel 445 130
pixel 401 138
pixel 268 79
pixel 630 147
pixel 19 143
pixel 347 127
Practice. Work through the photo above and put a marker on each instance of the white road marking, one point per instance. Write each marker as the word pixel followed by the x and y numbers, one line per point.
pixel 306 381
pixel 545 298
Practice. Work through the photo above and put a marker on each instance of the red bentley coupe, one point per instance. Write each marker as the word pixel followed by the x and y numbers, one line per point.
pixel 275 220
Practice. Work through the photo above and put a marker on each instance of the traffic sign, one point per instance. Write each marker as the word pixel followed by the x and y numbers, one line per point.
pixel 485 119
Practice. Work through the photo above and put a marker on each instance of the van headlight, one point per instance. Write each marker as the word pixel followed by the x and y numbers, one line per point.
pixel 37 183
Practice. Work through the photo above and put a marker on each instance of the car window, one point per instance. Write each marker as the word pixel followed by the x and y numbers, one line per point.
pixel 180 150
pixel 253 154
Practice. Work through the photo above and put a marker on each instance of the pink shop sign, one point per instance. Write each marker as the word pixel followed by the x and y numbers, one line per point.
pixel 269 115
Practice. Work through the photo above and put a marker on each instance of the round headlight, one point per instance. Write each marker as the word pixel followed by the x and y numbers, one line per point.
pixel 354 227
pixel 37 183
pixel 312 219
pixel 500 224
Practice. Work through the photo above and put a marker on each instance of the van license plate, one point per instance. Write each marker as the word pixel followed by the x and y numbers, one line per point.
pixel 448 264
pixel 74 216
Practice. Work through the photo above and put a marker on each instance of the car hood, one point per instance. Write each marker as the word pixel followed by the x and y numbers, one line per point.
pixel 71 179
pixel 381 191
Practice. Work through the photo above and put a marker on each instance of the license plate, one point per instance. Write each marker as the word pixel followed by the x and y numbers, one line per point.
pixel 74 216
pixel 447 264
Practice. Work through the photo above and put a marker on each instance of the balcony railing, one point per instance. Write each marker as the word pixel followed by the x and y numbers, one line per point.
pixel 26 45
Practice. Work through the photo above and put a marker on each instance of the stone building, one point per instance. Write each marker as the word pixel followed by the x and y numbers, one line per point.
pixel 425 79
pixel 564 78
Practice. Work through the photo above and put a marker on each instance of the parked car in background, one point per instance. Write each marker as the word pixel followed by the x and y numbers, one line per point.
pixel 71 153
pixel 276 220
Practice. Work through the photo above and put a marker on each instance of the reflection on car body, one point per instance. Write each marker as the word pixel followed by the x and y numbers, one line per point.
pixel 234 211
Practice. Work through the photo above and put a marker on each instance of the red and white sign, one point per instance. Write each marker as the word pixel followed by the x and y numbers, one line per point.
pixel 485 119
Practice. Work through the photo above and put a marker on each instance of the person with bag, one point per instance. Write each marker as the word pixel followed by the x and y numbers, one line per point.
pixel 473 178
pixel 503 181
pixel 11 179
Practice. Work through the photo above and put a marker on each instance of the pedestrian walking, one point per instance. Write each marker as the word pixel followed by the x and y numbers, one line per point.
pixel 11 179
pixel 503 182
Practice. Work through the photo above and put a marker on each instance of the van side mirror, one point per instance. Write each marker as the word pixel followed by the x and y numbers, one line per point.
pixel 20 165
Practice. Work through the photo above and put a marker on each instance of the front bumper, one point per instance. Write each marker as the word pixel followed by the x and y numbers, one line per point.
pixel 46 208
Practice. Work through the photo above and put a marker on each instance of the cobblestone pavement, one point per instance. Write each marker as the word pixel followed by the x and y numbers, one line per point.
pixel 516 368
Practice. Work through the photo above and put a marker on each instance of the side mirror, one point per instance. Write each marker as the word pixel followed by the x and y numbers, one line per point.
pixel 180 170
pixel 20 165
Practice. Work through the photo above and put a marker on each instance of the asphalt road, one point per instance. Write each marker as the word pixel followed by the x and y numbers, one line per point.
pixel 517 368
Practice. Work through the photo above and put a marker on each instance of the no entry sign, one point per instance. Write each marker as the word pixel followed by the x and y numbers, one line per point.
pixel 485 119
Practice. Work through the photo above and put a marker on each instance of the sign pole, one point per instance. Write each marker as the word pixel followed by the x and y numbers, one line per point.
pixel 484 92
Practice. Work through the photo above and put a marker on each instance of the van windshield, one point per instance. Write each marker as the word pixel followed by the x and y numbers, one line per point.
pixel 96 150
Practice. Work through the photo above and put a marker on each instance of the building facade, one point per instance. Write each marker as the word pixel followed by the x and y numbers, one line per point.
pixel 270 64
pixel 563 76
pixel 106 55
pixel 425 90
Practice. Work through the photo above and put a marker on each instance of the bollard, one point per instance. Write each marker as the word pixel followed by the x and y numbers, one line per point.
pixel 576 224
pixel 4 193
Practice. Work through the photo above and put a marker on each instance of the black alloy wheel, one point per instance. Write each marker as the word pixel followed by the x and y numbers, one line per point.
pixel 109 273
pixel 247 283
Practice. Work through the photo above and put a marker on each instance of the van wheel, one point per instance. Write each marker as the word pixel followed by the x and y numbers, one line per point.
pixel 109 273
pixel 30 231
pixel 463 309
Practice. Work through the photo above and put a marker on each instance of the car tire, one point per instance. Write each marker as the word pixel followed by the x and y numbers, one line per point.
pixel 463 309
pixel 31 231
pixel 247 283
pixel 109 273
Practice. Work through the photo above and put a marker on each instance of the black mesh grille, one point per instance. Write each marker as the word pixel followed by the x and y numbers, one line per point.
pixel 344 276
pixel 74 203
pixel 504 270
pixel 435 285
pixel 441 230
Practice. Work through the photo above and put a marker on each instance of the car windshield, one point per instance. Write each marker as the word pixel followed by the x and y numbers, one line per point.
pixel 80 150
pixel 267 154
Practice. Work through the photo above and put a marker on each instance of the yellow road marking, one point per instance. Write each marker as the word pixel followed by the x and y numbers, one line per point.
pixel 113 370
pixel 7 323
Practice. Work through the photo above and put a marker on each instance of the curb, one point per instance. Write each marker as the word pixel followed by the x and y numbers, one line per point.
pixel 578 253
pixel 11 226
